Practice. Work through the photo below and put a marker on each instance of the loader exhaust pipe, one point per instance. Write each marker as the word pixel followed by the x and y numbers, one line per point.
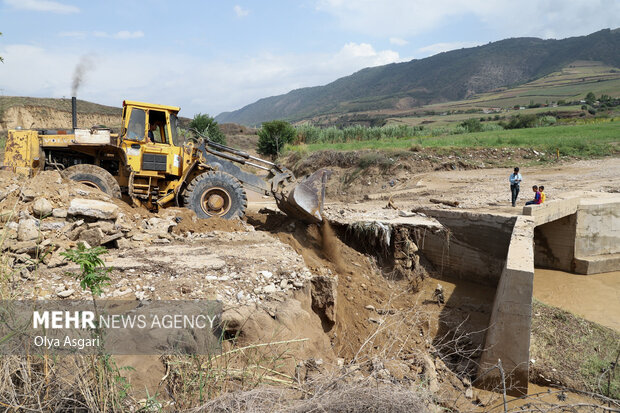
pixel 74 112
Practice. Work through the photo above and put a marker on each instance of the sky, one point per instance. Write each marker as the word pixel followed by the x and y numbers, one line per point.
pixel 210 56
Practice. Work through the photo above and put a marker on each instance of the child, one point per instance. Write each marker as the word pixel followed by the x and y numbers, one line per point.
pixel 536 199
pixel 543 197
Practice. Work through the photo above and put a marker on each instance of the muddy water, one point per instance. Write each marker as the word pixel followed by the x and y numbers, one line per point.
pixel 594 297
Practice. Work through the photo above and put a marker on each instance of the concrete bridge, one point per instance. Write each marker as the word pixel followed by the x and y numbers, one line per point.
pixel 579 235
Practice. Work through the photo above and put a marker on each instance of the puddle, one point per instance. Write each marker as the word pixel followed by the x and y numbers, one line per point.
pixel 594 297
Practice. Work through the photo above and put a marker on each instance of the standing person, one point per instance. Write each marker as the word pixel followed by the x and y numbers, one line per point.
pixel 515 181
pixel 537 197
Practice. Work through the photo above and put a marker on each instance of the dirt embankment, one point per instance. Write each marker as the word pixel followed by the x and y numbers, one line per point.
pixel 40 117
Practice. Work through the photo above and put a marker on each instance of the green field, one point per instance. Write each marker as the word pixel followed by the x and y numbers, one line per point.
pixel 598 139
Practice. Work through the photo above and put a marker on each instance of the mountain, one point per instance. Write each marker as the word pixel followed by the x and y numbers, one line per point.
pixel 447 76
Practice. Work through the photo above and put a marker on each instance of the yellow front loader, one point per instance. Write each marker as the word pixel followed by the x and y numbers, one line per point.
pixel 149 164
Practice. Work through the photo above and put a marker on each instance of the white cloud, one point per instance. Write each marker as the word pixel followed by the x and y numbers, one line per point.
pixel 364 52
pixel 192 82
pixel 433 49
pixel 541 18
pixel 122 35
pixel 42 5
pixel 240 11
pixel 398 41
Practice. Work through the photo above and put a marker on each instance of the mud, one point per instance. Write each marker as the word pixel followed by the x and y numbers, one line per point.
pixel 593 297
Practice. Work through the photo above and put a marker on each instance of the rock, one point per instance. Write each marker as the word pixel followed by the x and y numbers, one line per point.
pixel 370 307
pixel 106 226
pixel 161 241
pixel 27 230
pixel 92 236
pixel 28 194
pixel 266 274
pixel 42 207
pixel 111 237
pixel 139 237
pixel 283 284
pixel 25 274
pixel 324 294
pixel 158 226
pixel 298 284
pixel 123 243
pixel 52 226
pixel 65 293
pixel 376 320
pixel 24 247
pixel 93 208
pixel 59 213
pixel 269 289
pixel 56 260
pixel 469 393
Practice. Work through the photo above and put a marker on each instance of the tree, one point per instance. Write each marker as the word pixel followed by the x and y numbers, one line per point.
pixel 590 98
pixel 206 125
pixel 273 136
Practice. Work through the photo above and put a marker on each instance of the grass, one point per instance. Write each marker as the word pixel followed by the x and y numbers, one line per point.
pixel 588 140
pixel 573 352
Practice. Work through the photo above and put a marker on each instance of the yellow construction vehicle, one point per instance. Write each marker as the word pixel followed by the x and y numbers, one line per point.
pixel 150 165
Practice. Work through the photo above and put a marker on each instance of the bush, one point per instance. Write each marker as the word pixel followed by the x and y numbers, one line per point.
pixel 273 136
pixel 206 125
pixel 472 125
pixel 548 120
pixel 520 122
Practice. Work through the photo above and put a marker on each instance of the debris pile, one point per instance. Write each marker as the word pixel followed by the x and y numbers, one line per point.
pixel 44 216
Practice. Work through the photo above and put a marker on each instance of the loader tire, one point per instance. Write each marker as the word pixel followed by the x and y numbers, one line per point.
pixel 94 176
pixel 216 194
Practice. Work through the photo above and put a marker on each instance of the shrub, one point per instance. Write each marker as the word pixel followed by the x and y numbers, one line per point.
pixel 273 136
pixel 206 125
pixel 472 125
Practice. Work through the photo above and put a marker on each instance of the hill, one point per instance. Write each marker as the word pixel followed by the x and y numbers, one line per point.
pixel 449 76
pixel 29 112
pixel 33 113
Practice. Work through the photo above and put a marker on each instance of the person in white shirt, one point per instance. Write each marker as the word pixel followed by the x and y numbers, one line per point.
pixel 515 181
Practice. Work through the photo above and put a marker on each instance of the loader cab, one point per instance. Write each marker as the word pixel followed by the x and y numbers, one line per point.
pixel 149 138
pixel 138 118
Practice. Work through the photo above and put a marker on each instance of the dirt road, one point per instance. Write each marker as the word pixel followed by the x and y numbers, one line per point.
pixel 486 190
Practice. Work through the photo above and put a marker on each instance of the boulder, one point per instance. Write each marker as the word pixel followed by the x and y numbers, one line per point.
pixel 324 294
pixel 27 230
pixel 92 236
pixel 42 207
pixel 93 208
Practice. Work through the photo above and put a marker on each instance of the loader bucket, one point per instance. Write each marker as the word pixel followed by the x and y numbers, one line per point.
pixel 305 199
